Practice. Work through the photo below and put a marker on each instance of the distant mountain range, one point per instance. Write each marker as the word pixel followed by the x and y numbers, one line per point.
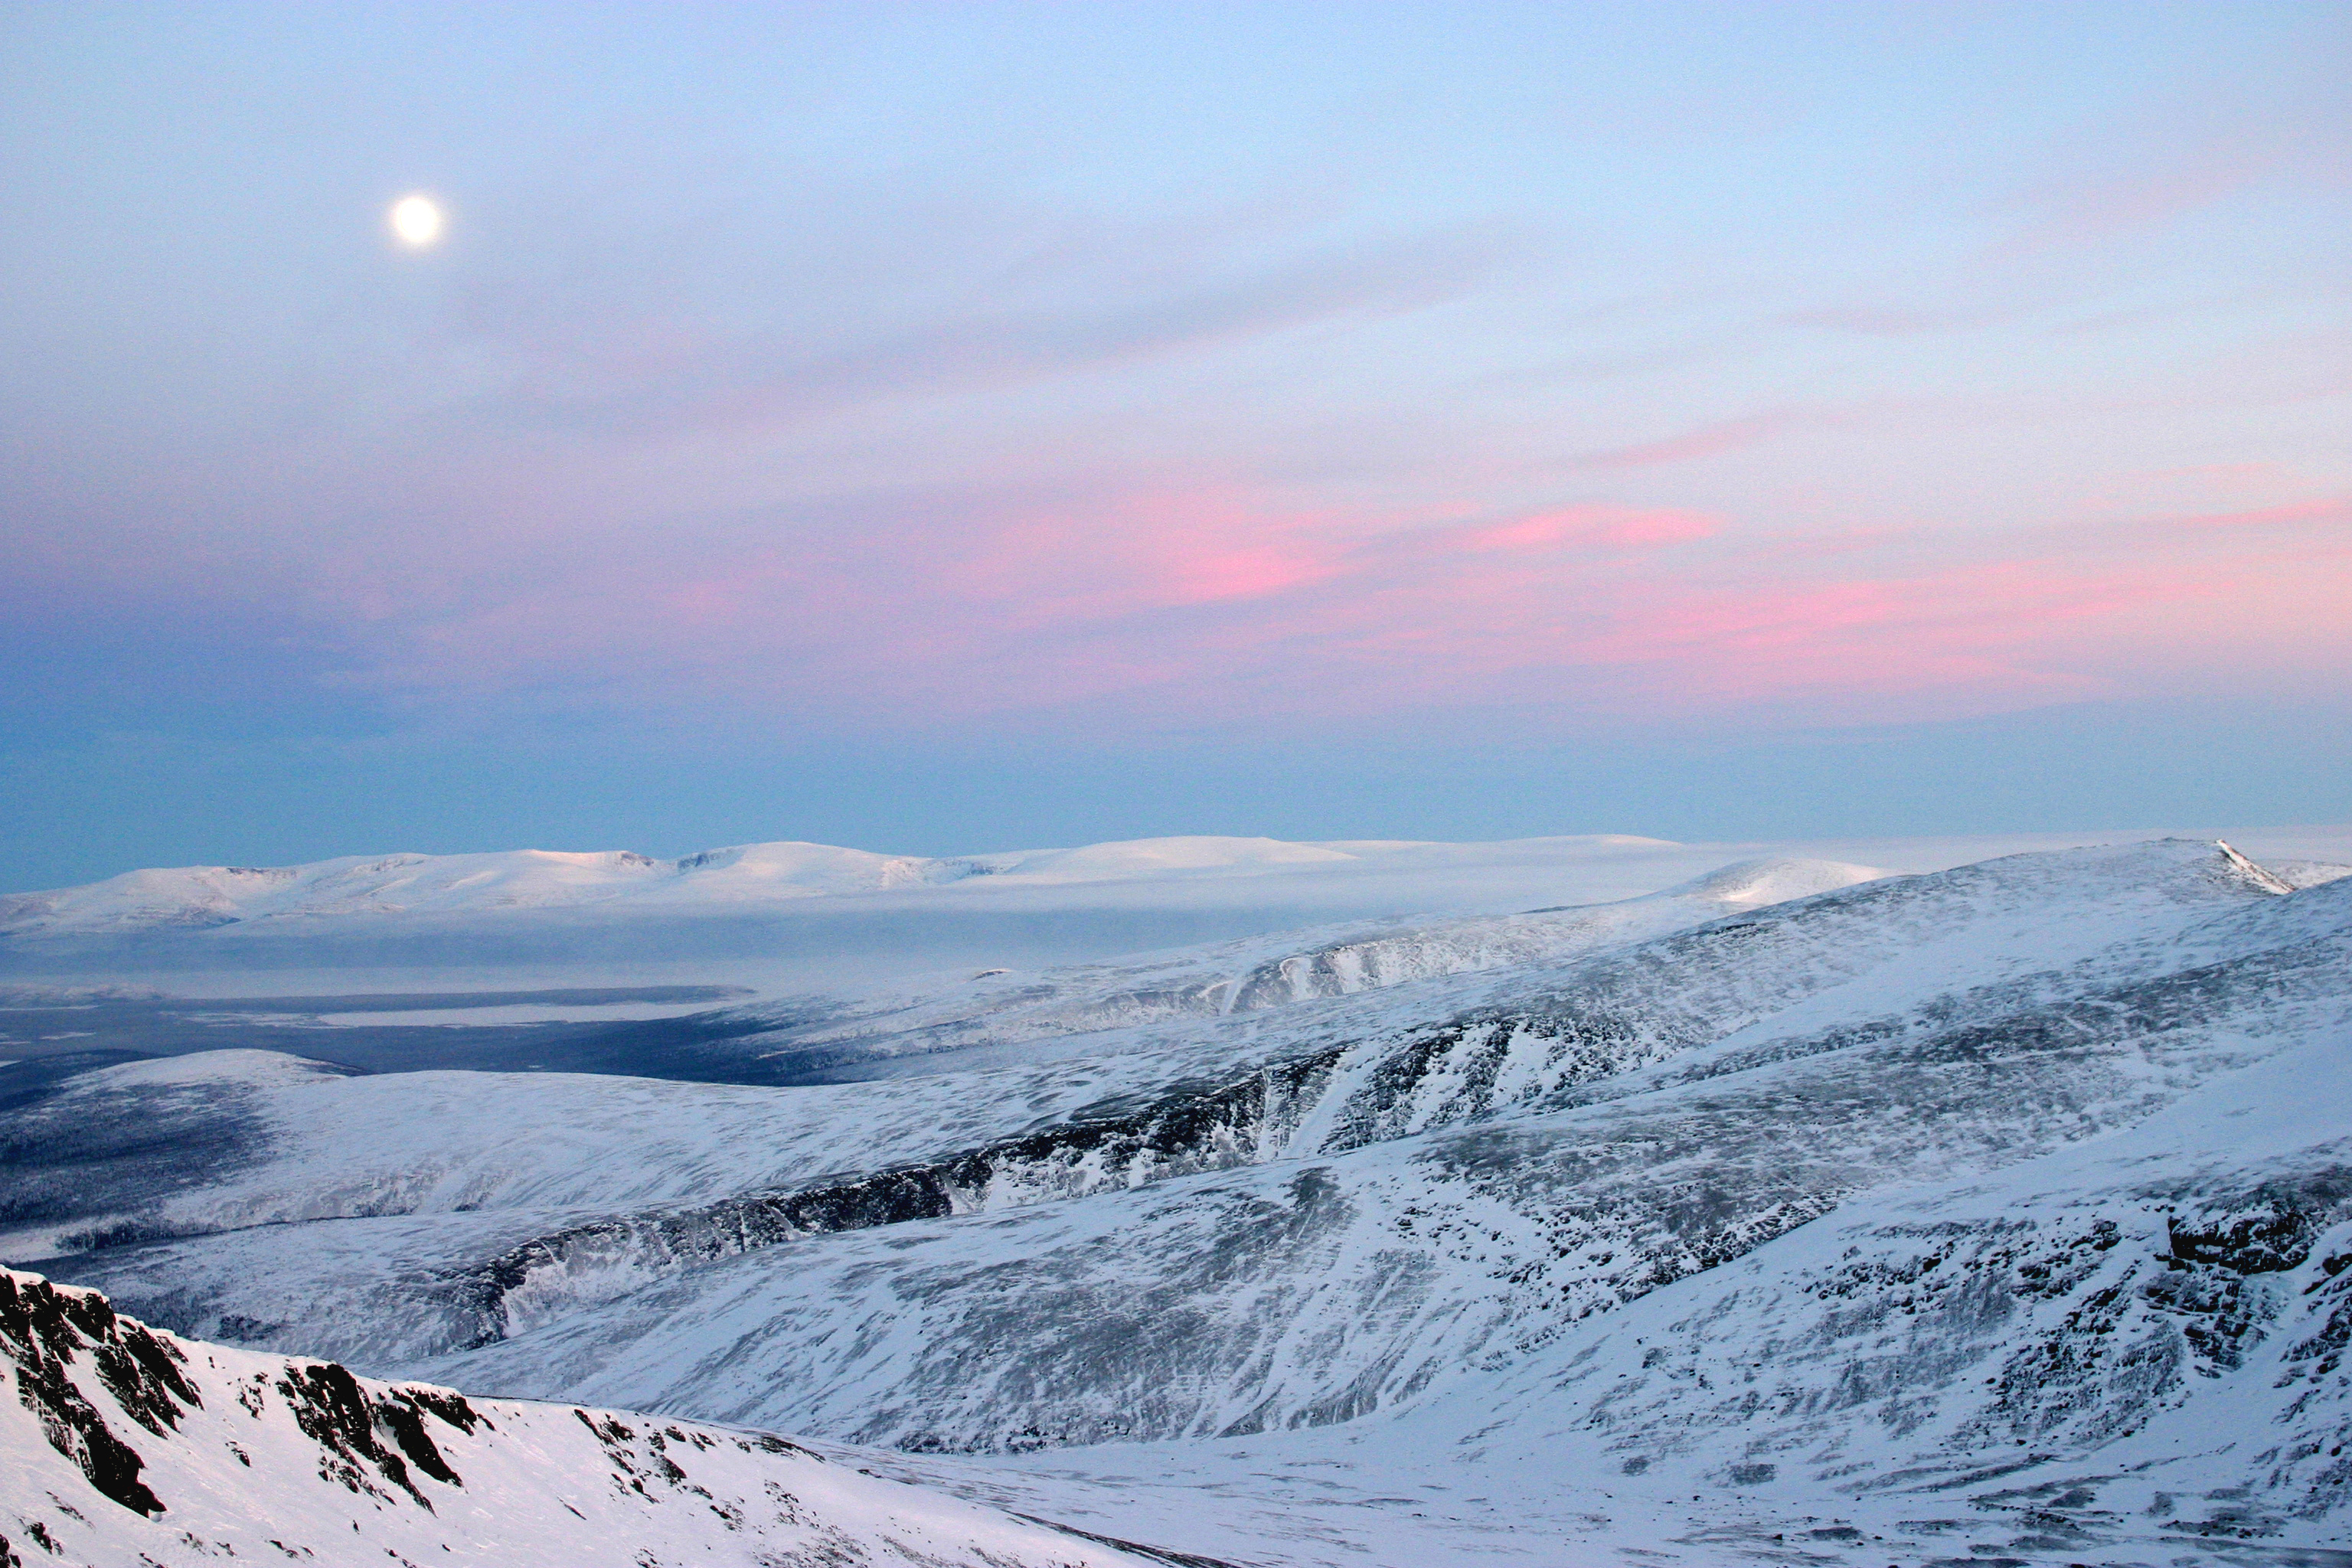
pixel 195 897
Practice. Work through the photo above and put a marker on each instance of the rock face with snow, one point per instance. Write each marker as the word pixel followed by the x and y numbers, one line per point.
pixel 125 1446
pixel 2137 1336
pixel 2005 1205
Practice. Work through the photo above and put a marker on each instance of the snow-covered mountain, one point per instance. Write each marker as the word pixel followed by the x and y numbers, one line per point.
pixel 197 897
pixel 127 1446
pixel 1360 878
pixel 921 1024
pixel 1795 1213
pixel 204 896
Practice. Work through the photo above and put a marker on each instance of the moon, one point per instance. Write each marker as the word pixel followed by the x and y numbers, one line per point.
pixel 416 220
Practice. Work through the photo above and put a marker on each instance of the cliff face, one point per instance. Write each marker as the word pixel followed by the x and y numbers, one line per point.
pixel 123 1445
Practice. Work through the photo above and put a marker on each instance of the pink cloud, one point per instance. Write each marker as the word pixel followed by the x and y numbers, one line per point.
pixel 1247 574
pixel 1703 442
pixel 1087 561
pixel 2333 509
pixel 2087 210
pixel 1598 526
pixel 1888 321
pixel 1222 605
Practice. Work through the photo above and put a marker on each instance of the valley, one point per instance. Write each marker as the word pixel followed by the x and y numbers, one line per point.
pixel 1799 1211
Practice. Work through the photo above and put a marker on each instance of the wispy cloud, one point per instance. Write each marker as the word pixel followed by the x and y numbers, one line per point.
pixel 1594 526
pixel 2078 220
pixel 1705 441
pixel 1150 427
pixel 904 297
pixel 1894 320
pixel 1225 607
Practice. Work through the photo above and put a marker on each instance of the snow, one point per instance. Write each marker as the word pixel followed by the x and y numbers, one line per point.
pixel 244 1456
pixel 1336 879
pixel 201 896
pixel 1847 1384
pixel 1748 884
pixel 1157 857
pixel 1801 1209
pixel 247 1070
pixel 522 880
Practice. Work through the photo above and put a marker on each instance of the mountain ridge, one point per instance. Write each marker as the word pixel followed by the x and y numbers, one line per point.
pixel 201 896
pixel 131 1445
pixel 1905 1206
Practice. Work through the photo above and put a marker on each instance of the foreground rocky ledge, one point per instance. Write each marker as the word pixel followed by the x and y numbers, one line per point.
pixel 123 1445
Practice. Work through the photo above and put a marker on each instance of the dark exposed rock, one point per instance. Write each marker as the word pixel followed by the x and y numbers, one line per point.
pixel 378 1441
pixel 1193 1127
pixel 44 1329
pixel 349 1425
pixel 2274 1234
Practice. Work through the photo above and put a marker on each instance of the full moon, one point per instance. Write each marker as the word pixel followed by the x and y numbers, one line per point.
pixel 416 220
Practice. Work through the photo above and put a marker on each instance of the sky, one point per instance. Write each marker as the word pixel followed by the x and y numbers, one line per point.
pixel 960 426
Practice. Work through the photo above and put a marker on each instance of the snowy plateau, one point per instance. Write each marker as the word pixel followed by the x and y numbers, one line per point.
pixel 1196 1201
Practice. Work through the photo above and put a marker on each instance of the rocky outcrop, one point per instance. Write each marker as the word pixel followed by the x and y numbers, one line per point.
pixel 126 1446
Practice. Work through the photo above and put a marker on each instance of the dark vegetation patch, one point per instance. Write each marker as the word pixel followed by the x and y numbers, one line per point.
pixel 422 1000
pixel 118 1153
pixel 28 1081
pixel 48 1046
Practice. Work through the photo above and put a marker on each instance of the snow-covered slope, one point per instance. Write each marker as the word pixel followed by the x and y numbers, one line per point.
pixel 126 1446
pixel 926 1023
pixel 751 874
pixel 1394 1208
pixel 788 920
pixel 2131 1350
pixel 200 896
pixel 752 877
pixel 1708 1212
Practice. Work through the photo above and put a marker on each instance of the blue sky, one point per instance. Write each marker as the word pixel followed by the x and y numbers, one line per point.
pixel 945 428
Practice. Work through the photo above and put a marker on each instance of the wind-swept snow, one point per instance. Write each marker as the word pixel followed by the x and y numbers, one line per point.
pixel 2131 1350
pixel 1347 877
pixel 1794 1212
